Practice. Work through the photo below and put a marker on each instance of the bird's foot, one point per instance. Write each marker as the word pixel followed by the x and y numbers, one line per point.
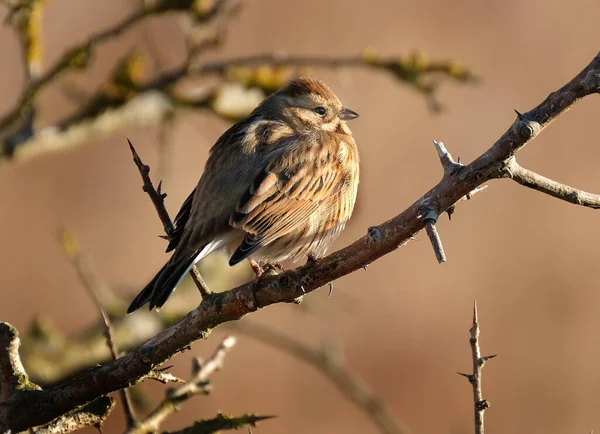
pixel 258 270
pixel 311 259
pixel 275 267
pixel 270 268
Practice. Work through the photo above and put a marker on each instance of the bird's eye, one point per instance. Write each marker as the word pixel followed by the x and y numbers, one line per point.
pixel 320 110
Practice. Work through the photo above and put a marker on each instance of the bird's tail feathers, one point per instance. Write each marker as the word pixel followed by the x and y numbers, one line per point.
pixel 160 288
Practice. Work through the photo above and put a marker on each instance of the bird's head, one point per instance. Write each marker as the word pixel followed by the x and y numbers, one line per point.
pixel 308 103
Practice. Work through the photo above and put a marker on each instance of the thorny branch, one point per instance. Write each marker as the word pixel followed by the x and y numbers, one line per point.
pixel 158 200
pixel 480 404
pixel 27 409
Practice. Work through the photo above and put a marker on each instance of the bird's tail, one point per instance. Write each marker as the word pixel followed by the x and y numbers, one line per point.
pixel 158 290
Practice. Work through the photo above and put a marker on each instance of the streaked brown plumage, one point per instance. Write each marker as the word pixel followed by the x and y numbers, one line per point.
pixel 280 184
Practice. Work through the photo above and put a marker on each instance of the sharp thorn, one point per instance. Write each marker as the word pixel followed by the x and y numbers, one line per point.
pixel 475 316
pixel 519 114
pixel 330 289
pixel 467 376
pixel 164 237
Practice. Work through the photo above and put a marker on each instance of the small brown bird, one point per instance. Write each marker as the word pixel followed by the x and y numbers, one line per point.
pixel 280 184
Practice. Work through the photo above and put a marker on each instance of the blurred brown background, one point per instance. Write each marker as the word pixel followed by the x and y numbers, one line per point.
pixel 528 259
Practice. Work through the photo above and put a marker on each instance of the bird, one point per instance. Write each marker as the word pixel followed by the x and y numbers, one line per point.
pixel 278 185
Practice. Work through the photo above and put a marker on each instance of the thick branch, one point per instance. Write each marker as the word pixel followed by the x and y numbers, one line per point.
pixel 40 407
pixel 553 188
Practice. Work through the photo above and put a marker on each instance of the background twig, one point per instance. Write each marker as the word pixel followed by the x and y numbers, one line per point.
pixel 329 361
pixel 93 285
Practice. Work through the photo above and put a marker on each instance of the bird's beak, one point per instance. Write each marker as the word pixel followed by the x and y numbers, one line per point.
pixel 346 114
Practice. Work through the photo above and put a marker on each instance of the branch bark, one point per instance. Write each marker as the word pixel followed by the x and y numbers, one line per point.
pixel 93 414
pixel 27 409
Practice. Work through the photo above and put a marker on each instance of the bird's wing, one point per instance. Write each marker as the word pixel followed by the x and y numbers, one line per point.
pixel 284 195
pixel 180 221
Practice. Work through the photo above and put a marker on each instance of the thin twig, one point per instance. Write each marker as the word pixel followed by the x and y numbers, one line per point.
pixel 198 384
pixel 531 179
pixel 93 284
pixel 158 200
pixel 326 360
pixel 480 404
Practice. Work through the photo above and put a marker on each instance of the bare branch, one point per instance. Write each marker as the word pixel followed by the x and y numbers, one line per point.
pixel 197 385
pixel 95 286
pixel 480 404
pixel 553 188
pixel 40 407
pixel 332 366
